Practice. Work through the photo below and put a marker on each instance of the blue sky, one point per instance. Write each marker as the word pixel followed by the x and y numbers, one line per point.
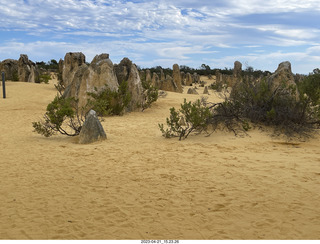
pixel 257 33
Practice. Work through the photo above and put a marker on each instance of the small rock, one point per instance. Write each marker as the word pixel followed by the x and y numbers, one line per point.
pixel 206 91
pixel 193 91
pixel 182 121
pixel 92 129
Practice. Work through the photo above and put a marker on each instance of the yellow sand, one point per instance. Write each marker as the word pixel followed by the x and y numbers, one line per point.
pixel 139 185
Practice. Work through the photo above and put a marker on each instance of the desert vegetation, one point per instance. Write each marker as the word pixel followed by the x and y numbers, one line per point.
pixel 150 94
pixel 191 117
pixel 64 116
pixel 290 105
pixel 310 86
pixel 289 111
pixel 50 65
pixel 109 102
pixel 254 101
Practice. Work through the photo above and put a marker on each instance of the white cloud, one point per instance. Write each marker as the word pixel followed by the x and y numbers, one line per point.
pixel 244 7
pixel 297 33
pixel 161 18
pixel 181 52
pixel 84 14
pixel 162 30
pixel 314 51
pixel 153 54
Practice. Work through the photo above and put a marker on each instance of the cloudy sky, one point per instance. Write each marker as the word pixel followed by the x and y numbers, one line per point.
pixel 257 33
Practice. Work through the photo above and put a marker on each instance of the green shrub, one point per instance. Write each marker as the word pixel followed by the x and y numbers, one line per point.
pixel 60 87
pixel 15 76
pixel 150 94
pixel 192 117
pixel 52 65
pixel 61 116
pixel 277 107
pixel 310 87
pixel 44 78
pixel 250 103
pixel 218 86
pixel 109 102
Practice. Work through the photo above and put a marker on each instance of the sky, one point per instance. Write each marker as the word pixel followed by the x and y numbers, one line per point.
pixel 258 33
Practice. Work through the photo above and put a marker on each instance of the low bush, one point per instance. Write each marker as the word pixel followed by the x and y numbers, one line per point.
pixel 109 102
pixel 278 107
pixel 218 86
pixel 250 103
pixel 192 117
pixel 310 87
pixel 62 116
pixel 60 87
pixel 150 94
pixel 44 78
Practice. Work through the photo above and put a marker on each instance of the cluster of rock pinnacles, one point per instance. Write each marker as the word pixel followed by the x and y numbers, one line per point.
pixel 80 78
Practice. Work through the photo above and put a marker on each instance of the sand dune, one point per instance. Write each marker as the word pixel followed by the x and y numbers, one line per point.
pixel 139 185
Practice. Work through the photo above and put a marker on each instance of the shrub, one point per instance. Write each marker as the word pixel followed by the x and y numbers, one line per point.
pixel 60 87
pixel 15 76
pixel 61 116
pixel 52 65
pixel 191 117
pixel 249 103
pixel 278 107
pixel 45 77
pixel 150 94
pixel 218 86
pixel 109 102
pixel 310 86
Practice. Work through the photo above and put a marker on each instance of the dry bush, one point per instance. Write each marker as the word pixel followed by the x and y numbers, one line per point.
pixel 249 103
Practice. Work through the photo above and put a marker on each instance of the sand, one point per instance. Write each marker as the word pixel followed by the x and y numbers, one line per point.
pixel 139 185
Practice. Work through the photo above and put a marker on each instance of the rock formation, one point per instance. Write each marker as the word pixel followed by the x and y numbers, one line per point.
pixel 94 77
pixel 148 76
pixel 92 129
pixel 237 69
pixel 183 78
pixel 233 79
pixel 72 62
pixel 27 70
pixel 177 77
pixel 168 84
pixel 206 90
pixel 218 76
pixel 162 76
pixel 283 75
pixel 196 78
pixel 192 91
pixel 101 73
pixel 20 70
pixel 128 72
pixel 189 79
pixel 10 67
pixel 182 121
pixel 142 75
pixel 155 80
pixel 61 63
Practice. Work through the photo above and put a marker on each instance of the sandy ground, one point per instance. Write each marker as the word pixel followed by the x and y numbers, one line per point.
pixel 139 185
